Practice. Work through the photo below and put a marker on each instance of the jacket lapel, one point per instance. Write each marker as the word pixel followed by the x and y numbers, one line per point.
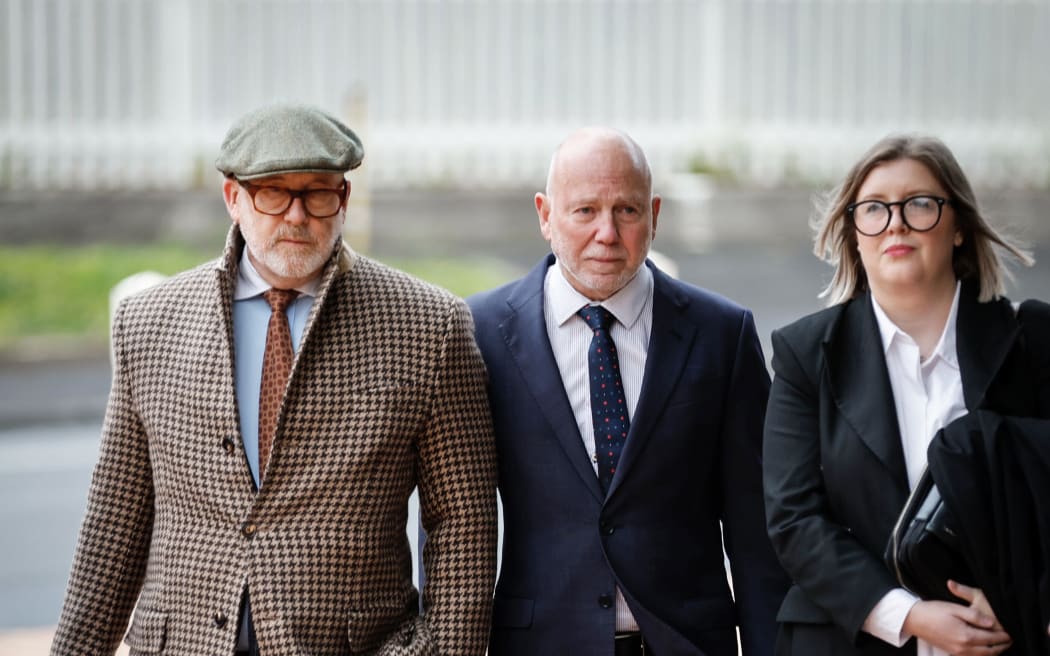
pixel 985 335
pixel 669 344
pixel 342 261
pixel 225 280
pixel 525 333
pixel 860 385
pixel 226 273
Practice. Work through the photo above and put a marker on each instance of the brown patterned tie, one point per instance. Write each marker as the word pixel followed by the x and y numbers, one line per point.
pixel 277 365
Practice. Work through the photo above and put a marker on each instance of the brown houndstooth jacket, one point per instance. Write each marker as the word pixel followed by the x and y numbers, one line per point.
pixel 387 391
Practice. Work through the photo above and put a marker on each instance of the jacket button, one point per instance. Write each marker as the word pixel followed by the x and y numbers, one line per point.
pixel 248 529
pixel 606 528
pixel 227 445
pixel 605 601
pixel 220 619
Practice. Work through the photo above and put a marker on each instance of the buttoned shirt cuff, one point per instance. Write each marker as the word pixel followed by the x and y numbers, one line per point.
pixel 886 619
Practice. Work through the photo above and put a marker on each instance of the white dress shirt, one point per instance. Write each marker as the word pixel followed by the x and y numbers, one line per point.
pixel 928 395
pixel 570 338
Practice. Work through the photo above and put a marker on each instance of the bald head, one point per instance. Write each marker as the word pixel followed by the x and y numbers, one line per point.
pixel 598 212
pixel 596 146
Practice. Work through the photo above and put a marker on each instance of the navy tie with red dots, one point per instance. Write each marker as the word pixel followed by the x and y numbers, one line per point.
pixel 608 403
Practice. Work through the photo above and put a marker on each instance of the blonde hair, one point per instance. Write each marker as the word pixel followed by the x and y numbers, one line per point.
pixel 978 258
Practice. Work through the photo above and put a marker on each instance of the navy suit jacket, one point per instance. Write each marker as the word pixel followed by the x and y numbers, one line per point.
pixel 692 459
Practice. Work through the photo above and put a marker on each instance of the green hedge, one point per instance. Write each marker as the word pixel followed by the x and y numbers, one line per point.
pixel 64 291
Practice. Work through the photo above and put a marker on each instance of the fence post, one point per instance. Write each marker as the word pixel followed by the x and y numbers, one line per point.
pixel 358 228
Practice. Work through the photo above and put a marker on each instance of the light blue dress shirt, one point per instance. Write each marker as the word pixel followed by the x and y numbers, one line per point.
pixel 251 317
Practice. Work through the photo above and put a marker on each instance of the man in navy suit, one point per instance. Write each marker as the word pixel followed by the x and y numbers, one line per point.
pixel 614 546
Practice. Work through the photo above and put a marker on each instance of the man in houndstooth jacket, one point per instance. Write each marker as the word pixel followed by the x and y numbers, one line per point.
pixel 307 553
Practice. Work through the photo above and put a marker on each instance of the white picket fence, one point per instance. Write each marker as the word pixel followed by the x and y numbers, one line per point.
pixel 138 93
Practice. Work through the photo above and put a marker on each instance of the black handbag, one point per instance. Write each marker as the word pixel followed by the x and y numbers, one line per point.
pixel 924 550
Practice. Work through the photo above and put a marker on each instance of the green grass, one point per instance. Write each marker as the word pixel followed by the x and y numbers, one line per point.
pixel 56 290
pixel 63 291
pixel 459 276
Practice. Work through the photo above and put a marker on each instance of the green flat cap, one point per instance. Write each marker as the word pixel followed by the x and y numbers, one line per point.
pixel 288 138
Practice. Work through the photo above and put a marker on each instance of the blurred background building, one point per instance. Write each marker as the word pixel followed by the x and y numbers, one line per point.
pixel 138 93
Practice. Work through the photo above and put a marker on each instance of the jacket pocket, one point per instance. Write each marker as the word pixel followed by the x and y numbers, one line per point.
pixel 797 607
pixel 512 612
pixel 412 638
pixel 149 628
pixel 368 627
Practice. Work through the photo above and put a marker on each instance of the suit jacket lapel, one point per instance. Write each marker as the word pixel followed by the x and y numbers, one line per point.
pixel 860 385
pixel 225 280
pixel 985 334
pixel 669 344
pixel 525 333
pixel 342 261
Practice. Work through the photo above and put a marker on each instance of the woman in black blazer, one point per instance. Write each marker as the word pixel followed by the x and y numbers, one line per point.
pixel 917 333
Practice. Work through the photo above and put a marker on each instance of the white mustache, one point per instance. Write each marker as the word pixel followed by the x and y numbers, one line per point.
pixel 294 235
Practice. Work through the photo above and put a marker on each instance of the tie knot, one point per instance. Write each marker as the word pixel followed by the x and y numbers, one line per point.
pixel 279 298
pixel 597 317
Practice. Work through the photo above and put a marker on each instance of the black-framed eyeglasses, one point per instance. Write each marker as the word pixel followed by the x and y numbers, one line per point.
pixel 318 203
pixel 920 213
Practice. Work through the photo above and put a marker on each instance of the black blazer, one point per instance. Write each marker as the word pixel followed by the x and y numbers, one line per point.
pixel 834 471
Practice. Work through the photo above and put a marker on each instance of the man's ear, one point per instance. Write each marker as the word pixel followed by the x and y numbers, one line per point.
pixel 230 193
pixel 543 211
pixel 656 212
pixel 346 205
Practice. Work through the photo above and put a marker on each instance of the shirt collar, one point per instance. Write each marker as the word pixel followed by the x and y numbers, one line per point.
pixel 945 348
pixel 626 304
pixel 250 282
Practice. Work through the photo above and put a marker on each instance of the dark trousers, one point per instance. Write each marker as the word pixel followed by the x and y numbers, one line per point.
pixel 247 645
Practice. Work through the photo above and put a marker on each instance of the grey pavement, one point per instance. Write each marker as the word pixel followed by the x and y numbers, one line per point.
pixel 46 391
pixel 752 246
pixel 44 475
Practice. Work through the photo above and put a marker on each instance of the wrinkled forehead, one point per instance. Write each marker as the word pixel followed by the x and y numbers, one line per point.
pixel 301 180
pixel 593 184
